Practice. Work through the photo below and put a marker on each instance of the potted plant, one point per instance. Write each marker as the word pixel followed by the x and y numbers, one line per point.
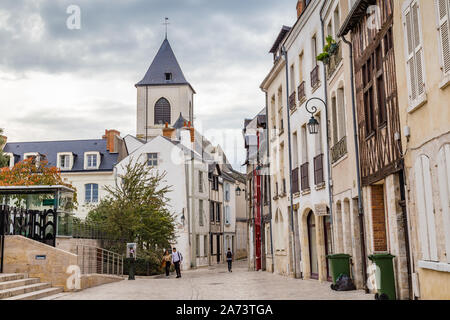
pixel 332 45
pixel 329 50
pixel 324 57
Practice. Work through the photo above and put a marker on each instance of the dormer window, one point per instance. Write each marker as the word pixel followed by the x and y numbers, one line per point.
pixel 168 76
pixel 91 160
pixel 65 160
pixel 35 156
pixel 11 159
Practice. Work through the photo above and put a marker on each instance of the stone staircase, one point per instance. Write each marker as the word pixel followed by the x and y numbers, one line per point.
pixel 18 286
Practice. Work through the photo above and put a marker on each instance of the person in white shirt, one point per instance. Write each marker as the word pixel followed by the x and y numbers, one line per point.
pixel 177 258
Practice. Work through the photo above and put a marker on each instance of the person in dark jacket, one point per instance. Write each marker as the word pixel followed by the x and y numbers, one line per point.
pixel 229 259
pixel 177 259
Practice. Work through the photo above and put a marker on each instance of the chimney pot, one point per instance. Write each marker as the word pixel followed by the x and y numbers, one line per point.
pixel 300 7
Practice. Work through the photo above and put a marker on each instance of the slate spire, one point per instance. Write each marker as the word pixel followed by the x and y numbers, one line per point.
pixel 164 69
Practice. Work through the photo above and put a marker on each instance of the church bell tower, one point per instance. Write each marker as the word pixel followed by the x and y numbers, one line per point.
pixel 163 94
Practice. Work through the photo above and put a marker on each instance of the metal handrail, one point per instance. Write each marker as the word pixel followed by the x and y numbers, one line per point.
pixel 97 260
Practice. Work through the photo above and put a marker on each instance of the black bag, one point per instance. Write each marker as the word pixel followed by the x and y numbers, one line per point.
pixel 343 283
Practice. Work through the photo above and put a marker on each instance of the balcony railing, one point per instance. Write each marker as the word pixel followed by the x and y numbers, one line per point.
pixel 304 176
pixel 335 59
pixel 295 186
pixel 301 92
pixel 318 170
pixel 315 77
pixel 339 150
pixel 292 103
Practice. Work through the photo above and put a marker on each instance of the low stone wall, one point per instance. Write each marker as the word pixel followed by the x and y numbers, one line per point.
pixel 93 280
pixel 70 244
pixel 38 260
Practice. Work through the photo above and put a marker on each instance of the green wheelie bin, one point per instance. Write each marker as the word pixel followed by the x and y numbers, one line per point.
pixel 384 275
pixel 339 264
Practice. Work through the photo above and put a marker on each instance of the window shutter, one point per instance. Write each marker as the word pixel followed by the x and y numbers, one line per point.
pixel 444 192
pixel 425 210
pixel 429 207
pixel 414 52
pixel 444 33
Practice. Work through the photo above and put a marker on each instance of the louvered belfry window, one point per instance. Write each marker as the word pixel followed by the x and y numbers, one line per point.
pixel 444 33
pixel 162 111
pixel 414 52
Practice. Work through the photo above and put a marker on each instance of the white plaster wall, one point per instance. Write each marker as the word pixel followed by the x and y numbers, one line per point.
pixel 176 178
pixel 79 179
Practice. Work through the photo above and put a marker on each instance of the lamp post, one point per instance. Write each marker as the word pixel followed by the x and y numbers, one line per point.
pixel 313 124
pixel 238 191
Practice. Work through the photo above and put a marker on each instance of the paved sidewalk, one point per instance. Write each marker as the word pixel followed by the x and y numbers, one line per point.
pixel 216 283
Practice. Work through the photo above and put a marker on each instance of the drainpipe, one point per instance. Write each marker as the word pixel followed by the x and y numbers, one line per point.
pixel 268 182
pixel 406 231
pixel 294 229
pixel 325 86
pixel 358 173
pixel 146 113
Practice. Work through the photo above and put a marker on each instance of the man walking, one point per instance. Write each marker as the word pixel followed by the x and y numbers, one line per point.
pixel 177 258
pixel 229 259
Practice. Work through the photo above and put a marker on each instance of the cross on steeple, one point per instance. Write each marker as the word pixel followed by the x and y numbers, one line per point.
pixel 166 23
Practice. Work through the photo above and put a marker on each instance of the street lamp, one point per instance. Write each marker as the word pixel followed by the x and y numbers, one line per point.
pixel 313 124
pixel 238 191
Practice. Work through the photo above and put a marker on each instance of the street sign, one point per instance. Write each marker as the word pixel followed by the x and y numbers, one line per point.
pixel 48 202
pixel 131 250
pixel 321 210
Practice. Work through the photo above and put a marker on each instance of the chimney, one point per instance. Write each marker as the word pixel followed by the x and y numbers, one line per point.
pixel 169 132
pixel 300 7
pixel 110 140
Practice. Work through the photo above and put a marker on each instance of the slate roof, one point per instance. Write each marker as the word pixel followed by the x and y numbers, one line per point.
pixel 78 147
pixel 164 62
pixel 180 122
pixel 281 35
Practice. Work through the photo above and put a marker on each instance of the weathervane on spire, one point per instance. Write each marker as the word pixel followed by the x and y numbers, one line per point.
pixel 166 23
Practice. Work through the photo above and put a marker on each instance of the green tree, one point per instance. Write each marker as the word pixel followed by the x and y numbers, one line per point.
pixel 135 210
pixel 4 160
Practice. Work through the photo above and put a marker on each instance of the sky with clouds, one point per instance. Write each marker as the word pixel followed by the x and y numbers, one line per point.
pixel 57 83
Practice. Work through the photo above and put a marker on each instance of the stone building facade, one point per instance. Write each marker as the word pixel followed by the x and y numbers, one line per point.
pixel 422 27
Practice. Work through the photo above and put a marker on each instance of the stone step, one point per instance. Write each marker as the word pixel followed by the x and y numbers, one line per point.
pixel 39 294
pixel 7 293
pixel 18 283
pixel 55 296
pixel 12 276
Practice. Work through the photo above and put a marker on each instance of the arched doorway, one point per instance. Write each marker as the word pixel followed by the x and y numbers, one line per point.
pixel 313 258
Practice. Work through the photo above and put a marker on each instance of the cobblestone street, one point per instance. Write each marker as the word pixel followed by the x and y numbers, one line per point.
pixel 216 283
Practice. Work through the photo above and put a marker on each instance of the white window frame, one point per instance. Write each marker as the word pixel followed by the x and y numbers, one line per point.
pixel 92 193
pixel 90 153
pixel 439 22
pixel 11 159
pixel 33 154
pixel 152 159
pixel 420 99
pixel 65 154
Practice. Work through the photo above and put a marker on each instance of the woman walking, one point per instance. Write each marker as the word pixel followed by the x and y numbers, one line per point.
pixel 167 260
